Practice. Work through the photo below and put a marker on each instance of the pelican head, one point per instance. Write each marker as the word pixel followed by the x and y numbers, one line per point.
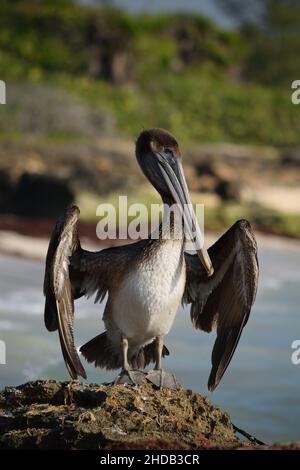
pixel 159 157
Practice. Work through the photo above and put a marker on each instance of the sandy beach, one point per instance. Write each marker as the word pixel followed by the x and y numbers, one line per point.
pixel 35 248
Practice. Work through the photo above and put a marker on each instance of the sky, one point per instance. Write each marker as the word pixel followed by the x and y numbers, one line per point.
pixel 205 7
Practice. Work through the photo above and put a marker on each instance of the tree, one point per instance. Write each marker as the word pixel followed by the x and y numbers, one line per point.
pixel 272 29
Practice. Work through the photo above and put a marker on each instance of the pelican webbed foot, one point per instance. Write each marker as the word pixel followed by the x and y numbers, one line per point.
pixel 130 377
pixel 162 379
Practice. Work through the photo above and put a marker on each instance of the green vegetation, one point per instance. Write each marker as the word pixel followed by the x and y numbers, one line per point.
pixel 180 72
pixel 273 32
pixel 75 72
pixel 264 219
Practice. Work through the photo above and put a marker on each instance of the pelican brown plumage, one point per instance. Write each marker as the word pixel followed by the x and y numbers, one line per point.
pixel 146 281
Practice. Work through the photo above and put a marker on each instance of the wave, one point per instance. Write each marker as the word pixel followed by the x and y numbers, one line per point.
pixel 30 301
pixel 7 325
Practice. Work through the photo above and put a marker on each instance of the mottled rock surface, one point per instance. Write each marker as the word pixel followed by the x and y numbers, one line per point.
pixel 47 414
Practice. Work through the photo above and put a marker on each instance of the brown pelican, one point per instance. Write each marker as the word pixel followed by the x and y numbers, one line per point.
pixel 146 281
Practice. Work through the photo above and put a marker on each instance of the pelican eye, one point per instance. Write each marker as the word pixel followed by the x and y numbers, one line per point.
pixel 169 155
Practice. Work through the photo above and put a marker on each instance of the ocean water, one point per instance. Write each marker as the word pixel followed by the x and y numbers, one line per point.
pixel 261 386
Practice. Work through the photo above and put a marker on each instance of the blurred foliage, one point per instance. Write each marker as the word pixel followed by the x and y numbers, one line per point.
pixel 263 218
pixel 197 108
pixel 38 109
pixel 176 71
pixel 272 27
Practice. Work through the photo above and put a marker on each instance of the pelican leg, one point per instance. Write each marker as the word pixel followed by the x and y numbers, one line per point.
pixel 128 376
pixel 159 377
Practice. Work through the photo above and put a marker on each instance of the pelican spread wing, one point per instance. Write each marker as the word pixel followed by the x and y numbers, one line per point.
pixel 72 272
pixel 224 300
pixel 59 305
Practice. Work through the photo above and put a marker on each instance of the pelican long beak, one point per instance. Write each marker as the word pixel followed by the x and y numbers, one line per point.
pixel 175 180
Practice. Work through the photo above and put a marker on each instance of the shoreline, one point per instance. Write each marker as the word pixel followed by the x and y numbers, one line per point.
pixel 34 248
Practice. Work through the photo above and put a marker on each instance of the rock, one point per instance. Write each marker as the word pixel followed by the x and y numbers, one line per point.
pixel 6 192
pixel 47 414
pixel 290 158
pixel 216 177
pixel 228 190
pixel 40 195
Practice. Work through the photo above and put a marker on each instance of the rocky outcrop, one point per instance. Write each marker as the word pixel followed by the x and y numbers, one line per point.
pixel 40 195
pixel 47 414
pixel 62 415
